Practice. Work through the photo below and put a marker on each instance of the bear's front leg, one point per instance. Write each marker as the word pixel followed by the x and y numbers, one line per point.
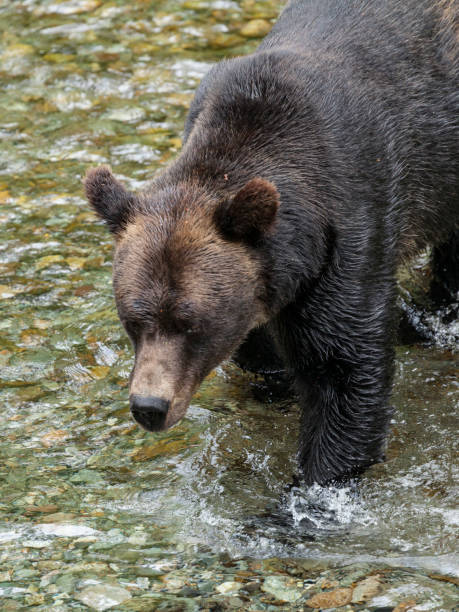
pixel 342 364
pixel 344 423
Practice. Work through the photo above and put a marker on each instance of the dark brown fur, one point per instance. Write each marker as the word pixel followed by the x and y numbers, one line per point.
pixel 309 170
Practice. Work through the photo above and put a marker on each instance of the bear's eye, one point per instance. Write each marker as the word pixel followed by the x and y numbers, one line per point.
pixel 187 327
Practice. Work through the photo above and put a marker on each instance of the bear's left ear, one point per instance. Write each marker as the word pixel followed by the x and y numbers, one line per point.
pixel 251 213
pixel 109 198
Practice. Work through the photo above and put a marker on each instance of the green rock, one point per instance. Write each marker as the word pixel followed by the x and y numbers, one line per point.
pixel 66 583
pixel 21 574
pixel 149 572
pixel 87 477
pixel 283 588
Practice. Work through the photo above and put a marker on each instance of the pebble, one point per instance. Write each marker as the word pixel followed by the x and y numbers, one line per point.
pixel 330 599
pixel 137 539
pixel 36 543
pixel 85 541
pixel 87 476
pixel 252 587
pixel 404 606
pixel 20 574
pixel 90 567
pixel 46 509
pixel 173 582
pixel 235 603
pixel 146 571
pixel 126 114
pixel 49 566
pixel 228 587
pixel 367 589
pixel 72 7
pixel 58 517
pixel 66 530
pixel 34 599
pixel 103 596
pixel 66 583
pixel 282 588
pixel 142 582
pixel 256 28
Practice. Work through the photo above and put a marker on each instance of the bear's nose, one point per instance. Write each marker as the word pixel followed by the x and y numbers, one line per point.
pixel 150 412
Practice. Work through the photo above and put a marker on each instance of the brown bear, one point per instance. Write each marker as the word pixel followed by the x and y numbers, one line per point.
pixel 310 169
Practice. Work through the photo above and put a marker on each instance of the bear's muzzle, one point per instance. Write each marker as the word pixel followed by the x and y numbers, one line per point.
pixel 149 412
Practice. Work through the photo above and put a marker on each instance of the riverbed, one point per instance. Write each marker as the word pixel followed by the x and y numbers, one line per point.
pixel 96 513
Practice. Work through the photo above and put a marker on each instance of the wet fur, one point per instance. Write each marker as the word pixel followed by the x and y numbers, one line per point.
pixel 350 110
pixel 356 104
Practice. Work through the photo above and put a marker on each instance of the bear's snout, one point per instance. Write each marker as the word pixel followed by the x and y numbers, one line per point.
pixel 150 412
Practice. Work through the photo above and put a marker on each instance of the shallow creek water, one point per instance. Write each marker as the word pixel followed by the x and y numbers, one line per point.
pixel 96 513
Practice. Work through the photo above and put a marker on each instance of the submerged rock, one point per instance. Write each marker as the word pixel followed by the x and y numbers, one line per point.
pixel 103 596
pixel 256 28
pixel 367 589
pixel 228 587
pixel 427 314
pixel 283 588
pixel 330 599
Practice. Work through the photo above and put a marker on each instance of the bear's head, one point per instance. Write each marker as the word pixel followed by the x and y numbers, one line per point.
pixel 189 281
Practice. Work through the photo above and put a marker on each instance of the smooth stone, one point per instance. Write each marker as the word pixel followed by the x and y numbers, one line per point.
pixel 66 583
pixel 87 476
pixel 255 28
pixel 367 589
pixel 228 587
pixel 36 543
pixel 281 589
pixel 330 599
pixel 126 114
pixel 252 587
pixel 34 599
pixel 103 596
pixel 20 574
pixel 149 572
pixel 67 530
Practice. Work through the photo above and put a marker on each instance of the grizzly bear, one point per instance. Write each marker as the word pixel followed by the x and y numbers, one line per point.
pixel 310 169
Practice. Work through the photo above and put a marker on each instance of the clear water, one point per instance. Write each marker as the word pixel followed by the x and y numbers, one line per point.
pixel 88 499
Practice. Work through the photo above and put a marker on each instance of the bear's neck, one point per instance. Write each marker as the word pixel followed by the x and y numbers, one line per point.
pixel 251 117
pixel 222 160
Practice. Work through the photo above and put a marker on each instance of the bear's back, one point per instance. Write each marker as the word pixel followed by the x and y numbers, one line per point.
pixel 372 84
pixel 393 31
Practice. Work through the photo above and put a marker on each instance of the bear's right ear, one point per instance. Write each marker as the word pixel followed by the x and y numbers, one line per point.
pixel 109 198
pixel 251 213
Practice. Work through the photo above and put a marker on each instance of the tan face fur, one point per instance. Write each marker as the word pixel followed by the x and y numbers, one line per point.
pixel 187 299
pixel 188 281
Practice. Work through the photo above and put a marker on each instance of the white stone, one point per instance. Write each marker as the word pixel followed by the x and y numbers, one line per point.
pixel 228 587
pixel 103 596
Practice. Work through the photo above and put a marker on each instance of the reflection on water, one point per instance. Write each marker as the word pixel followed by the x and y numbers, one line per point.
pixel 93 510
